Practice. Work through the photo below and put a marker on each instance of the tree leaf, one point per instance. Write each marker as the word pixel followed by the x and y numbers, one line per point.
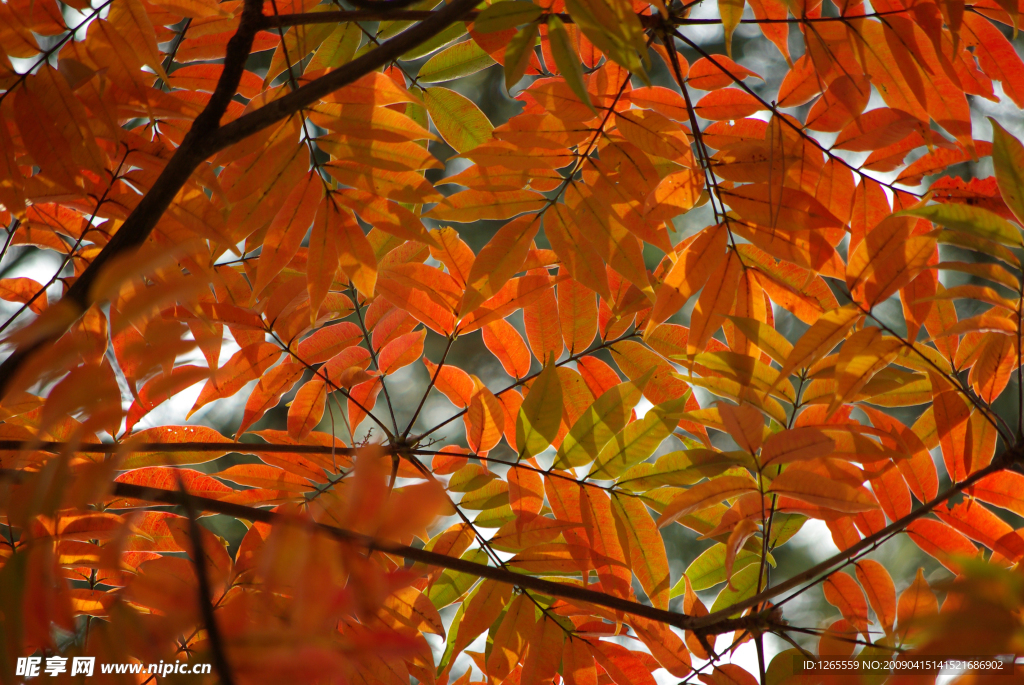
pixel 601 421
pixel 880 591
pixel 540 414
pixel 457 118
pixel 814 489
pixel 506 15
pixel 519 53
pixel 501 258
pixel 1008 159
pixel 973 220
pixel 455 62
pixel 401 351
pixel 704 495
pixel 567 60
pixel 485 421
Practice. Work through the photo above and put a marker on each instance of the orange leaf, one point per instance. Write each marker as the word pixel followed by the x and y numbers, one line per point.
pixel 694 265
pixel 744 423
pixel 577 314
pixel 473 205
pixel 941 542
pixel 336 233
pixel 541 321
pixel 729 103
pixel 485 421
pixel 768 205
pixel 401 351
pixel 815 489
pixel 706 74
pixel 498 261
pixel 307 408
pixel 578 665
pixel 675 194
pixel 646 548
pixel 267 393
pixel 505 343
pixel 517 293
pixel 1004 489
pixel 329 341
pixel 246 365
pixel 796 444
pixel 880 590
pixel 917 604
pixel 25 291
pixel 737 538
pixel 715 303
pixel 580 258
pixel 453 382
pixel 704 495
pixel 841 591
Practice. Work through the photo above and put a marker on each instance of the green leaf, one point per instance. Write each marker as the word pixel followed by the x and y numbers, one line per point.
pixel 971 220
pixel 566 59
pixel 1008 159
pixel 744 585
pixel 598 424
pixel 451 585
pixel 339 48
pixel 540 414
pixel 614 29
pixel 782 668
pixel 506 15
pixel 684 467
pixel 456 61
pixel 490 496
pixel 637 441
pixel 496 517
pixel 469 478
pixel 449 35
pixel 484 604
pixel 784 527
pixel 457 118
pixel 518 53
pixel 708 570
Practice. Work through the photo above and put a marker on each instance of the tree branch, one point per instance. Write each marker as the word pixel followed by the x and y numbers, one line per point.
pixel 218 447
pixel 1001 462
pixel 393 14
pixel 282 108
pixel 724 624
pixel 205 138
pixel 220 659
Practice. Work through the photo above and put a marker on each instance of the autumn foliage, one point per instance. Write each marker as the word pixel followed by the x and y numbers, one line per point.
pixel 459 381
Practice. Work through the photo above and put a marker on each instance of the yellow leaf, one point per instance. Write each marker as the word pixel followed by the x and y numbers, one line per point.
pixel 1008 159
pixel 540 414
pixel 704 495
pixel 864 354
pixel 731 12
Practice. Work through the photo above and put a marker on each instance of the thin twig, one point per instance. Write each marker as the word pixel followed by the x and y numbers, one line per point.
pixel 220 660
pixel 433 382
